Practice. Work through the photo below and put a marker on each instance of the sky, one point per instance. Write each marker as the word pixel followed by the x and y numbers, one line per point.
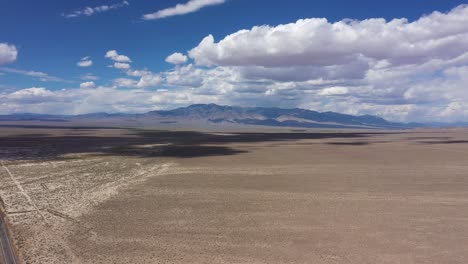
pixel 401 60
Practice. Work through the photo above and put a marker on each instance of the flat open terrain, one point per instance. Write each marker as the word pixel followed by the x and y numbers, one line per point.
pixel 131 196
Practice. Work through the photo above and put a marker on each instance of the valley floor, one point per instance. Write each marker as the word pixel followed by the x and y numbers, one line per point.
pixel 130 196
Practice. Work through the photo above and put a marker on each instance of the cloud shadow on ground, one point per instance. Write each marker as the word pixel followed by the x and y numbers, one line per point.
pixel 150 143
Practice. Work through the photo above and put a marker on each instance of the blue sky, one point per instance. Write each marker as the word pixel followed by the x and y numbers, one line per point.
pixel 411 79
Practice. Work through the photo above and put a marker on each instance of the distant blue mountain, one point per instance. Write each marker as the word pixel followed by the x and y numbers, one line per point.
pixel 273 116
pixel 217 114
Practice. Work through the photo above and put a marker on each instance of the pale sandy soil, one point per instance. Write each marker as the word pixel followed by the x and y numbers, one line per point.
pixel 61 191
pixel 377 198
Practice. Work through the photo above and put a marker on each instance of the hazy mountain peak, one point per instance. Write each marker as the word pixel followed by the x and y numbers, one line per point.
pixel 218 114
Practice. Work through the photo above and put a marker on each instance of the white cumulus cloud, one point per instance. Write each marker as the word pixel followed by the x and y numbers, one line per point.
pixel 149 80
pixel 125 82
pixel 115 56
pixel 8 53
pixel 122 66
pixel 335 90
pixel 318 42
pixel 29 96
pixel 34 91
pixel 88 85
pixel 177 58
pixel 85 62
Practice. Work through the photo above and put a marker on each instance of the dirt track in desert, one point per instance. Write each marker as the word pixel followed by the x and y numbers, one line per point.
pixel 118 196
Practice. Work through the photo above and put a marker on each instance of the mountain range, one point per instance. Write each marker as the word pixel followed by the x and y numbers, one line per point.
pixel 220 115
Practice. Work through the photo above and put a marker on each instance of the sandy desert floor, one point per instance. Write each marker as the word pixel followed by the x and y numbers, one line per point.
pixel 129 196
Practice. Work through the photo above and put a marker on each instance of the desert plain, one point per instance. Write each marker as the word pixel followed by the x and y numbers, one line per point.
pixel 85 195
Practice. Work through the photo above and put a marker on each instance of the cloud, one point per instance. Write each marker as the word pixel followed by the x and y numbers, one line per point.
pixel 89 11
pixel 34 91
pixel 149 80
pixel 401 70
pixel 76 101
pixel 138 73
pixel 88 85
pixel 125 82
pixel 8 53
pixel 336 90
pixel 354 70
pixel 182 9
pixel 177 58
pixel 186 76
pixel 113 55
pixel 122 66
pixel 317 42
pixel 42 76
pixel 85 62
pixel 89 77
pixel 29 95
